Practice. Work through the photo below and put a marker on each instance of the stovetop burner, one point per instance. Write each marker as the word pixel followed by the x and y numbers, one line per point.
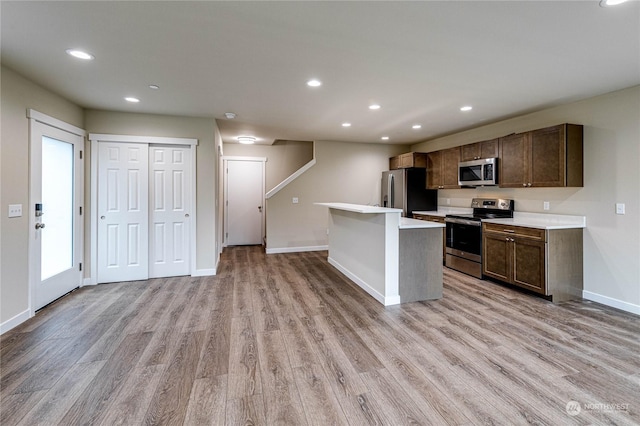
pixel 487 208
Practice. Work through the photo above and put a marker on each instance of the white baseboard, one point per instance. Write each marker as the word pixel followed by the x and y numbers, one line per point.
pixel 15 321
pixel 295 249
pixel 386 301
pixel 204 272
pixel 610 301
pixel 88 281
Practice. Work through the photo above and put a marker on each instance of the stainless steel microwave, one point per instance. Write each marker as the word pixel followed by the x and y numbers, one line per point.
pixel 478 172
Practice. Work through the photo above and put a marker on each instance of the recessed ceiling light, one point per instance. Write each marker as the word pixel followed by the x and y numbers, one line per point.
pixel 314 83
pixel 374 106
pixel 416 126
pixel 247 140
pixel 154 86
pixel 346 124
pixel 385 138
pixel 132 99
pixel 80 54
pixel 606 3
pixel 466 108
pixel 230 115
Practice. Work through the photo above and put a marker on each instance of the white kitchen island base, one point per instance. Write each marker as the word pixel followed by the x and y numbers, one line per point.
pixel 394 259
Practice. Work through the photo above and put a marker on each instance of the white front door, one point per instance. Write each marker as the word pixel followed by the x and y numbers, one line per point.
pixel 56 200
pixel 244 202
pixel 170 204
pixel 123 213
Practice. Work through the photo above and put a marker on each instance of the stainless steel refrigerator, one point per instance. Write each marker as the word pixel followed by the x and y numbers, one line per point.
pixel 406 189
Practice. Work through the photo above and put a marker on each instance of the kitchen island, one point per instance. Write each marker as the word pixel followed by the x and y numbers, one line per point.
pixel 394 259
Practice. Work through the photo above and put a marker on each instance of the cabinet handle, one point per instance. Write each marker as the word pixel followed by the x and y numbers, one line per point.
pixel 524 184
pixel 529 184
pixel 511 231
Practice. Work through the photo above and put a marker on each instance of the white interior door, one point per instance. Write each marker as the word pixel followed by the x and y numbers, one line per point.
pixel 56 200
pixel 170 203
pixel 244 202
pixel 123 214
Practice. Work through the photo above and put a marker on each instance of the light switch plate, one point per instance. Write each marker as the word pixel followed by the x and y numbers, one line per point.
pixel 15 210
pixel 619 208
pixel 545 205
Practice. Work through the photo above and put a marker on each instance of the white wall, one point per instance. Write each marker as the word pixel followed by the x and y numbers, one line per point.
pixel 283 158
pixel 344 172
pixel 17 95
pixel 611 175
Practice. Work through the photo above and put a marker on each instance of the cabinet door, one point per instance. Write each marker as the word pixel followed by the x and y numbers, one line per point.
pixel 548 163
pixel 528 264
pixel 450 160
pixel 489 149
pixel 496 258
pixel 470 151
pixel 394 163
pixel 434 170
pixel 514 161
pixel 406 160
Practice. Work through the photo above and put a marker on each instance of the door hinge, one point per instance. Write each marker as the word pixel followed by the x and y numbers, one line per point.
pixel 226 235
pixel 81 266
pixel 81 155
pixel 80 210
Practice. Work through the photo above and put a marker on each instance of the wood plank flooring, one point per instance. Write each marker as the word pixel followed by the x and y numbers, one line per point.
pixel 287 340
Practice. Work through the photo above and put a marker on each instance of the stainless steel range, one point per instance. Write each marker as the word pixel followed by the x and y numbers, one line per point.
pixel 464 234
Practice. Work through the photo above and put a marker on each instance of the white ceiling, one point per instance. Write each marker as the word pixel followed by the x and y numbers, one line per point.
pixel 421 61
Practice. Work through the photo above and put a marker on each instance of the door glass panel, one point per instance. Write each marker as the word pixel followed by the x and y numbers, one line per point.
pixel 57 205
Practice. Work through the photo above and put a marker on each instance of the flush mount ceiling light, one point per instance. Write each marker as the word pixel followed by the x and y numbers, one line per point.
pixel 466 108
pixel 230 115
pixel 80 54
pixel 346 124
pixel 314 83
pixel 154 86
pixel 374 106
pixel 416 126
pixel 607 3
pixel 385 138
pixel 132 99
pixel 247 140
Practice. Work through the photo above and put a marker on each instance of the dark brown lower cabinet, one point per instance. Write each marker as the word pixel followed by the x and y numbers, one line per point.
pixel 548 262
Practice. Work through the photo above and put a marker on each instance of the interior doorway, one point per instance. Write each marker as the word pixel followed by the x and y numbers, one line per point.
pixel 55 208
pixel 244 200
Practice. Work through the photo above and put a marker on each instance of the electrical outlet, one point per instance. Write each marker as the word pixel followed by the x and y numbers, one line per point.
pixel 619 208
pixel 448 201
pixel 294 200
pixel 15 210
pixel 545 205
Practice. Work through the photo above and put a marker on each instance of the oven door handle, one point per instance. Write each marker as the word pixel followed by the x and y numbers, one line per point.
pixel 463 221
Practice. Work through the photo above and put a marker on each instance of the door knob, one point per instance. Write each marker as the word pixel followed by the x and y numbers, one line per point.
pixel 101 217
pixel 259 208
pixel 39 225
pixel 186 215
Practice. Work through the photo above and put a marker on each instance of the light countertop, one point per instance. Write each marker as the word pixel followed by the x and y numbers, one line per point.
pixel 359 208
pixel 542 221
pixel 407 223
pixel 443 211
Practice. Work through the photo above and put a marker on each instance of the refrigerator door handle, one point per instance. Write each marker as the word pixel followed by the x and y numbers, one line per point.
pixel 391 192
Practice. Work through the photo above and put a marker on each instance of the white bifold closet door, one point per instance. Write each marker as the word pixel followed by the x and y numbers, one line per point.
pixel 144 197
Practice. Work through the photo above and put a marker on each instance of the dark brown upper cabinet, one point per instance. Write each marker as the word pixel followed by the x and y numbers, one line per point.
pixel 479 150
pixel 442 168
pixel 548 157
pixel 408 160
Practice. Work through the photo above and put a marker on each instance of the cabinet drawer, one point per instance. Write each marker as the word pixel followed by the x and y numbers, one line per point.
pixel 429 217
pixel 519 231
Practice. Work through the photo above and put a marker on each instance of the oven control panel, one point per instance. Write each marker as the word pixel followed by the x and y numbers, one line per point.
pixel 492 203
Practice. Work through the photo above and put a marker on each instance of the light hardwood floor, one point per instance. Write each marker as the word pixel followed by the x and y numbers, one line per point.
pixel 286 339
